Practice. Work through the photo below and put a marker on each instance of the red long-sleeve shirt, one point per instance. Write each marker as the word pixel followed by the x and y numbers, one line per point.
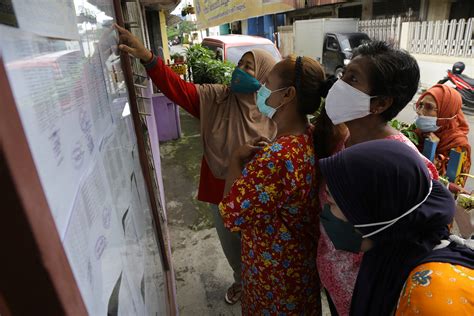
pixel 185 94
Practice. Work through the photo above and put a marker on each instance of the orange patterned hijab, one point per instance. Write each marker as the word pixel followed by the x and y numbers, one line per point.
pixel 452 133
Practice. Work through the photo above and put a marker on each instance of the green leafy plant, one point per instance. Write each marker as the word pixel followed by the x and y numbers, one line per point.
pixel 212 71
pixel 198 52
pixel 406 129
pixel 206 68
pixel 466 201
pixel 183 27
pixel 176 56
pixel 444 180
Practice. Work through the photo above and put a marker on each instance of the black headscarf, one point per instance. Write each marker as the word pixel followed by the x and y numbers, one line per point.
pixel 377 181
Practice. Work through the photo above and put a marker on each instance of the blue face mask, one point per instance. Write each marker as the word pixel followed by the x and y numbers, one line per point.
pixel 426 124
pixel 242 82
pixel 262 95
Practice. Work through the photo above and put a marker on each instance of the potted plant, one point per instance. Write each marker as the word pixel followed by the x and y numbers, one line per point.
pixel 190 9
pixel 205 68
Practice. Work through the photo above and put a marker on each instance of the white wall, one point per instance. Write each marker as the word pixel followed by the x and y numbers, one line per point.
pixel 214 31
pixel 433 67
pixel 245 27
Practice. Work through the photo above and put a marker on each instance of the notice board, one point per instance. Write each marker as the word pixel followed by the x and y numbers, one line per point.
pixel 69 88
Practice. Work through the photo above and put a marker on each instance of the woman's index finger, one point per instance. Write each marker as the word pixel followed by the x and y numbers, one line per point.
pixel 121 29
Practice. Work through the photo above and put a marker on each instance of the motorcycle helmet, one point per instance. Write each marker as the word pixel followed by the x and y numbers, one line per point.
pixel 458 68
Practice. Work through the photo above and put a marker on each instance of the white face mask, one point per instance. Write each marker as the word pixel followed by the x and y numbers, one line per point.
pixel 393 221
pixel 345 103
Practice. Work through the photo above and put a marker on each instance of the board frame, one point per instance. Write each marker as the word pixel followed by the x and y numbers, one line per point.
pixel 37 269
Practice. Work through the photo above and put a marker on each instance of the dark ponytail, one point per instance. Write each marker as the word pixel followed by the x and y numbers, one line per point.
pixel 327 137
pixel 327 85
pixel 308 78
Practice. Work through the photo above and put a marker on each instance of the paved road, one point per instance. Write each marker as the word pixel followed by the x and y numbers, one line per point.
pixel 177 49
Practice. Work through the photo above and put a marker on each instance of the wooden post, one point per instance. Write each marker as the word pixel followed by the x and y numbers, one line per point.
pixel 367 9
pixel 147 172
pixel 128 74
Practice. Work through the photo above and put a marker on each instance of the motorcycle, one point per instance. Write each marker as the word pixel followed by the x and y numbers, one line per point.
pixel 463 84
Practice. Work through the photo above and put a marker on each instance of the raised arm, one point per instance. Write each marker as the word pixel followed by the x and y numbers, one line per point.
pixel 177 90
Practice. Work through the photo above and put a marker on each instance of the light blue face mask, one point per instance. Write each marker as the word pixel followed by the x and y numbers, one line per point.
pixel 426 124
pixel 262 95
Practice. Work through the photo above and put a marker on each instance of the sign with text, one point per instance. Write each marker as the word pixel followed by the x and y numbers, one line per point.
pixel 216 12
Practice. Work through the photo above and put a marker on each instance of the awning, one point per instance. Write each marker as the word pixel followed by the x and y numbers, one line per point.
pixel 161 4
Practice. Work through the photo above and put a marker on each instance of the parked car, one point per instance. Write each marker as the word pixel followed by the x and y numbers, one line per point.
pixel 329 41
pixel 232 47
pixel 176 41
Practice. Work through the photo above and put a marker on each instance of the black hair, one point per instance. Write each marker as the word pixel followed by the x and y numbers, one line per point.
pixel 393 73
pixel 308 78
pixel 327 85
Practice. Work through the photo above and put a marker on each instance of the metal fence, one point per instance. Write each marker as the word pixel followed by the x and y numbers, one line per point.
pixel 388 30
pixel 448 38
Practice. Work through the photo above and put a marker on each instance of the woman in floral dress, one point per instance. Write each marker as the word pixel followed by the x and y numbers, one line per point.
pixel 272 200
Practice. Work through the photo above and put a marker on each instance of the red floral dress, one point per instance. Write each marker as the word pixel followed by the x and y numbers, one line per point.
pixel 275 206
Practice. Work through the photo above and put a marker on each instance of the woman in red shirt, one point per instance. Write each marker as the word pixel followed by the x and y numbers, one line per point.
pixel 229 118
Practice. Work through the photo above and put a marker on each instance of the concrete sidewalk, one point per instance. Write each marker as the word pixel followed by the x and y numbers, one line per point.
pixel 201 269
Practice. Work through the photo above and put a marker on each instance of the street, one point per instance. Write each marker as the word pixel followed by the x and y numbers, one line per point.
pixel 180 49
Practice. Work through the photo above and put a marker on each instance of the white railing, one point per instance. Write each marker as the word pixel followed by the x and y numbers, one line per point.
pixel 445 38
pixel 388 30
